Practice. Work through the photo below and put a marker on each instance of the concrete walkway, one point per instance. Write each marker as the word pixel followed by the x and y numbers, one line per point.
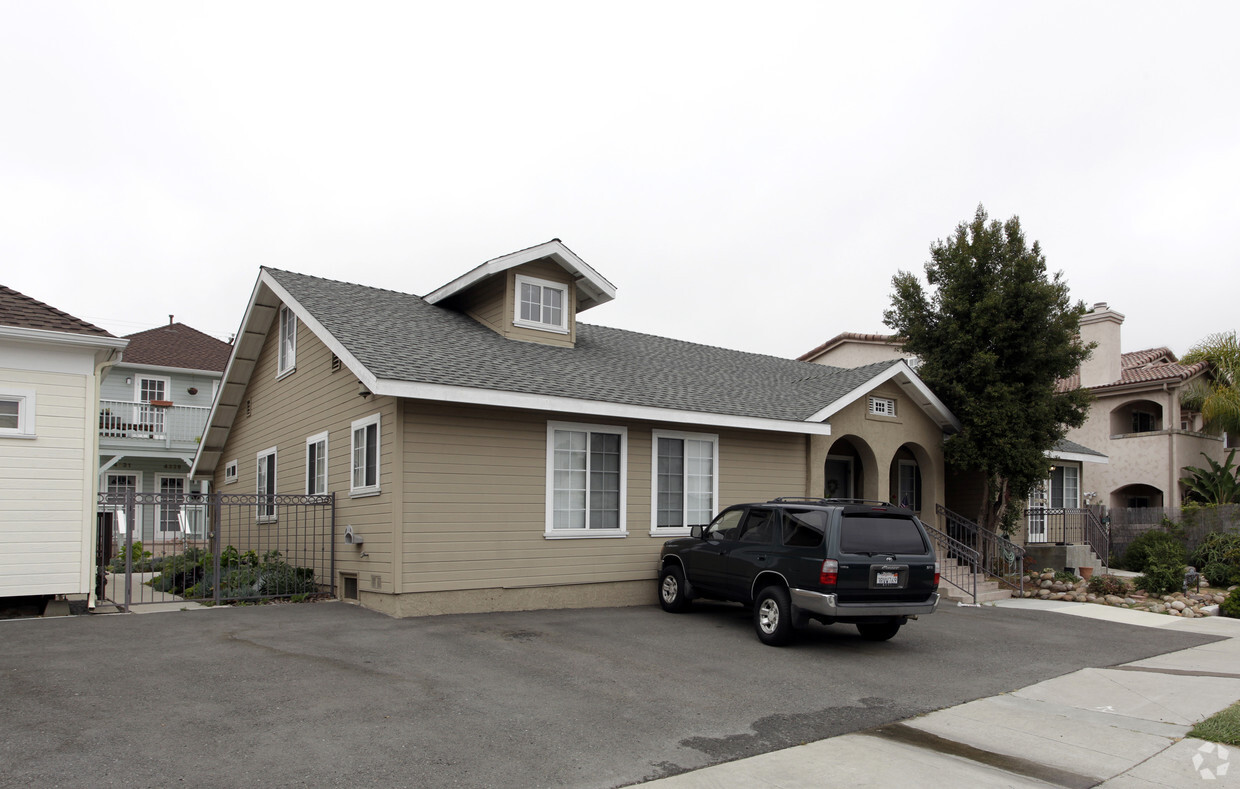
pixel 1124 726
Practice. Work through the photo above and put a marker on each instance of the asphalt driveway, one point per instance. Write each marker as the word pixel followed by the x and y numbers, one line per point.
pixel 328 694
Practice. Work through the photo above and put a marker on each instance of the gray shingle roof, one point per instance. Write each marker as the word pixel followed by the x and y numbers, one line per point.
pixel 400 337
pixel 1064 445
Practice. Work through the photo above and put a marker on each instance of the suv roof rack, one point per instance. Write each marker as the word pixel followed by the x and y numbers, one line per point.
pixel 822 501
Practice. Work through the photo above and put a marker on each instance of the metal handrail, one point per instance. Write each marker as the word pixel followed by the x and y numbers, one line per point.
pixel 958 563
pixel 1073 525
pixel 999 558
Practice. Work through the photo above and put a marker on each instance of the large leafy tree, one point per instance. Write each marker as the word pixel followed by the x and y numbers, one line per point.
pixel 1218 397
pixel 994 336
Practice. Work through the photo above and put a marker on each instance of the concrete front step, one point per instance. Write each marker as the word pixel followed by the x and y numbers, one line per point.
pixel 987 592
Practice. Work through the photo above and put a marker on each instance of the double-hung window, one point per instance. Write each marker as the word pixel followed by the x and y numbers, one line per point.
pixel 267 511
pixel 586 470
pixel 288 341
pixel 16 413
pixel 686 481
pixel 541 304
pixel 364 479
pixel 316 464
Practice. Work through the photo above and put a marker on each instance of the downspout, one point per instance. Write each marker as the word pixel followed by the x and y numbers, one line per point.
pixel 114 357
pixel 1173 472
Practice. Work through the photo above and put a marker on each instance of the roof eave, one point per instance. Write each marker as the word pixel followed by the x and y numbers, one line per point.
pixel 911 383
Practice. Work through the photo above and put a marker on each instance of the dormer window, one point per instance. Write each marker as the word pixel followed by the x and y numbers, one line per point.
pixel 541 304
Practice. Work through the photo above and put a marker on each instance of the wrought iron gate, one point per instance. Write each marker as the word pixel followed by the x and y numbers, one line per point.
pixel 211 548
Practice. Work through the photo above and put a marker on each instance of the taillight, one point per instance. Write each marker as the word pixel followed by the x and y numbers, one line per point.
pixel 938 571
pixel 830 574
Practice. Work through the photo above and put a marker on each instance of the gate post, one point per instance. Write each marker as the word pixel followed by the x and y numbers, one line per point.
pixel 214 537
pixel 130 509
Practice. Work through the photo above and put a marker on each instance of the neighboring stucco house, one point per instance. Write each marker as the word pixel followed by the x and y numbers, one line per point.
pixel 496 454
pixel 51 366
pixel 1136 418
pixel 153 409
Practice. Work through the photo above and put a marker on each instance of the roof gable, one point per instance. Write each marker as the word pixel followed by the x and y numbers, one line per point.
pixel 592 288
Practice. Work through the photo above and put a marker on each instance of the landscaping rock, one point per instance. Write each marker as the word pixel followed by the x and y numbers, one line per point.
pixel 1179 605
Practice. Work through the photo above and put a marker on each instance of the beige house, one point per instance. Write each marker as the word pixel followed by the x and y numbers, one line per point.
pixel 51 366
pixel 1136 418
pixel 491 452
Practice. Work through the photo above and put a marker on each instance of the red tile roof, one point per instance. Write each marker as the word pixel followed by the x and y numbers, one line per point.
pixel 17 309
pixel 1152 365
pixel 177 345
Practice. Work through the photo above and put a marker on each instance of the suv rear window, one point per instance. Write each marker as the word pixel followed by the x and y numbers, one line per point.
pixel 804 528
pixel 880 534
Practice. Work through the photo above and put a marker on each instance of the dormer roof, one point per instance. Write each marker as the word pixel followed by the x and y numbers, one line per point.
pixel 592 288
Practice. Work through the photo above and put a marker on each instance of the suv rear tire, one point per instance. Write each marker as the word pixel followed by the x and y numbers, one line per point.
pixel 672 590
pixel 772 616
pixel 881 631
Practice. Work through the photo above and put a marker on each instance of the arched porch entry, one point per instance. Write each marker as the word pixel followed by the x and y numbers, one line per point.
pixel 850 470
pixel 913 479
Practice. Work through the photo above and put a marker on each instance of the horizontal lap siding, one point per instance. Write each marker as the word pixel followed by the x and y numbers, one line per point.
pixel 284 413
pixel 475 499
pixel 44 489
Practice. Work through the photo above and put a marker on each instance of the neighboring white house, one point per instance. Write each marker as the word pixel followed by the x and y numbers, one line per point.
pixel 51 365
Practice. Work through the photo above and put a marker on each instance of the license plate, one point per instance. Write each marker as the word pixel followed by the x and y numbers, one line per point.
pixel 887 579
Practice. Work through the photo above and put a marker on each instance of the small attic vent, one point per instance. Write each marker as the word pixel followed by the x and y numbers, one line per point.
pixel 335 363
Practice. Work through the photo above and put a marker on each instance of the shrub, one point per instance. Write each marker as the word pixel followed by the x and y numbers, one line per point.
pixel 242 575
pixel 1164 569
pixel 1218 547
pixel 1066 577
pixel 1108 584
pixel 1231 606
pixel 1219 574
pixel 1137 557
pixel 139 559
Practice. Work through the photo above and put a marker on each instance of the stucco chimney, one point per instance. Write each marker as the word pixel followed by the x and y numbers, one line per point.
pixel 1101 326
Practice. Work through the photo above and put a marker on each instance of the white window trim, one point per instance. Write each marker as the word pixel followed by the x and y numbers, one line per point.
pixel 312 440
pixel 25 413
pixel 888 406
pixel 517 320
pixel 358 424
pixel 589 534
pixel 159 509
pixel 664 531
pixel 286 364
pixel 275 512
pixel 231 474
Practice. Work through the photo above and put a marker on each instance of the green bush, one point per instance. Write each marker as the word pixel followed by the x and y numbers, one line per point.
pixel 242 576
pixel 1164 569
pixel 1231 605
pixel 1219 547
pixel 139 559
pixel 1108 584
pixel 1219 574
pixel 1137 557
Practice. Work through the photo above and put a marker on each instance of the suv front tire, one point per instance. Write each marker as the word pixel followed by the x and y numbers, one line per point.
pixel 672 590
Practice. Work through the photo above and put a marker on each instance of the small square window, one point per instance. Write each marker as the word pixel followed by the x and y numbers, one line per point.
pixel 883 406
pixel 17 414
pixel 230 472
pixel 541 304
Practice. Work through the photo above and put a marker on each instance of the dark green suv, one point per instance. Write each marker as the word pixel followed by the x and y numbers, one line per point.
pixel 866 563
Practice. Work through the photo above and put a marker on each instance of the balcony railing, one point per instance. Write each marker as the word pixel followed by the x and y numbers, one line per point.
pixel 165 425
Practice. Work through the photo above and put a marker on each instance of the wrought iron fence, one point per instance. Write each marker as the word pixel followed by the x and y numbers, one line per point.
pixel 214 547
pixel 1068 526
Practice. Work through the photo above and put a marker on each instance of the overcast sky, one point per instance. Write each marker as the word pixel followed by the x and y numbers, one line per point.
pixel 748 175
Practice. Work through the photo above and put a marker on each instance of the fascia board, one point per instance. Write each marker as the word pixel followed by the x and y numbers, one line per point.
pixel 1079 457
pixel 22 334
pixel 235 381
pixel 599 286
pixel 576 406
pixel 908 379
pixel 156 368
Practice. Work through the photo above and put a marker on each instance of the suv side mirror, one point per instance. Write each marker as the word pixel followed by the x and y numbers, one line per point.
pixel 696 531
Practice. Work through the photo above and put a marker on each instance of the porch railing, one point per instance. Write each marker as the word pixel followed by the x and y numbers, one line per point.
pixel 999 559
pixel 164 424
pixel 958 563
pixel 1070 526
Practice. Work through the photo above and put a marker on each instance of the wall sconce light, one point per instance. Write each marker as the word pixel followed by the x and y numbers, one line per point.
pixel 129 380
pixel 362 390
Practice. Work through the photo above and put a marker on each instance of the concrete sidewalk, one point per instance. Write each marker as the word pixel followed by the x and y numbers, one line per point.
pixel 1112 727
